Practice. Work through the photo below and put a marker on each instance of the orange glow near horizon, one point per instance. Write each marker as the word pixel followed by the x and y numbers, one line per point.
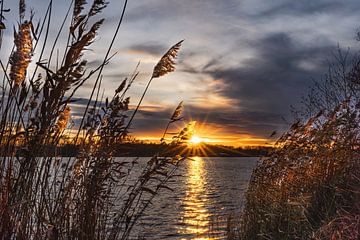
pixel 196 140
pixel 206 136
pixel 211 136
pixel 205 133
pixel 234 141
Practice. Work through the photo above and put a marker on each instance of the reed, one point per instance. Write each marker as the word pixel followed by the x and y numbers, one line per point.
pixel 175 117
pixel 305 189
pixel 164 66
pixel 92 195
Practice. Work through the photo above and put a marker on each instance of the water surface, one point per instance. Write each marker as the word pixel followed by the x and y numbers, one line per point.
pixel 207 193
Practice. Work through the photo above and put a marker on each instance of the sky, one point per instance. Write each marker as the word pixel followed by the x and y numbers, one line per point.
pixel 242 65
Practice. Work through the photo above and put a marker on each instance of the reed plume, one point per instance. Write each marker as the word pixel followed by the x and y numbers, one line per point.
pixel 121 86
pixel 78 7
pixel 76 49
pixel 177 113
pixel 186 133
pixel 97 7
pixel 21 58
pixel 167 62
pixel 22 8
pixel 63 119
pixel 2 19
pixel 164 66
pixel 176 116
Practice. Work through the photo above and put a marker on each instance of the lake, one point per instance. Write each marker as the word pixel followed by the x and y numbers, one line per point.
pixel 208 192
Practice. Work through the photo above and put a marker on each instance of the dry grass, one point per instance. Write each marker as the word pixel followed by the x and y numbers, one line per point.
pixel 91 196
pixel 308 188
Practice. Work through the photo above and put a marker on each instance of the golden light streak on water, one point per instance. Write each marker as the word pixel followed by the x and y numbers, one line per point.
pixel 195 215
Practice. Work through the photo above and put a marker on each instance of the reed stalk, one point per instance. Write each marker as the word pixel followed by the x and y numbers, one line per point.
pixel 44 195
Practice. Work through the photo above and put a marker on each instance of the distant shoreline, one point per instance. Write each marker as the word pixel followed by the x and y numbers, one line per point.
pixel 152 149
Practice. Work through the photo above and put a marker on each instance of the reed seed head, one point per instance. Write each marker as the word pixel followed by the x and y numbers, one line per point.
pixel 177 113
pixel 22 8
pixel 76 49
pixel 64 118
pixel 187 132
pixel 21 58
pixel 167 62
pixel 78 7
pixel 97 7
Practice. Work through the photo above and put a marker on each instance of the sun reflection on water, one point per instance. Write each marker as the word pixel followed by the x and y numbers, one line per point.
pixel 195 215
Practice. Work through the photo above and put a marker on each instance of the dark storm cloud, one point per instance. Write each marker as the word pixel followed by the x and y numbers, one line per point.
pixel 149 121
pixel 278 76
pixel 259 123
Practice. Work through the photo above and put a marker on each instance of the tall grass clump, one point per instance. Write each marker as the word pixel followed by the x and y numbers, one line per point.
pixel 308 187
pixel 92 195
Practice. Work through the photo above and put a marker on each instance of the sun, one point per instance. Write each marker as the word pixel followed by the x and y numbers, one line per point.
pixel 196 140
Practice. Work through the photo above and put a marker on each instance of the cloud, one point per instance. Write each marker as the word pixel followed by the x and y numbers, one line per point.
pixel 250 99
pixel 150 48
pixel 276 76
pixel 243 63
